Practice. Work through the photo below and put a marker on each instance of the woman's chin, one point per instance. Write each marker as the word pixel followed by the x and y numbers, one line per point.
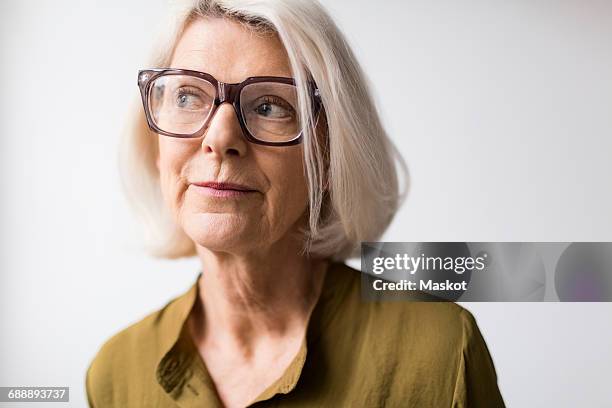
pixel 221 231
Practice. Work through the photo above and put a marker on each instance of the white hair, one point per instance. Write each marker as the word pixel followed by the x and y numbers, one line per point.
pixel 353 184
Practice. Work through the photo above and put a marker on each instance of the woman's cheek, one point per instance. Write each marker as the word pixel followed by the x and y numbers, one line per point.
pixel 171 192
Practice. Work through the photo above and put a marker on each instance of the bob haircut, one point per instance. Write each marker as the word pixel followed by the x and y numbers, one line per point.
pixel 353 184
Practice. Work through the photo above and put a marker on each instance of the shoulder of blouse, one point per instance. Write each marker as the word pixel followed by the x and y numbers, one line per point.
pixel 134 350
pixel 440 339
pixel 430 319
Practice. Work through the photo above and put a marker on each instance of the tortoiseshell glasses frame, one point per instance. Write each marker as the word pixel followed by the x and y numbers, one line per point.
pixel 224 92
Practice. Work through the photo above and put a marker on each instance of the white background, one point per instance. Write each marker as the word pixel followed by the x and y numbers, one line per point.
pixel 502 109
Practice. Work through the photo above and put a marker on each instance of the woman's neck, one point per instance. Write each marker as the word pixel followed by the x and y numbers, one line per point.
pixel 247 300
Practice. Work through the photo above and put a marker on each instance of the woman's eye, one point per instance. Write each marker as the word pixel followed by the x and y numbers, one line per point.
pixel 188 100
pixel 273 110
pixel 185 100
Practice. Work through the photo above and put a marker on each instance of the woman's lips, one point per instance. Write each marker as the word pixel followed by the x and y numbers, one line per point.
pixel 215 192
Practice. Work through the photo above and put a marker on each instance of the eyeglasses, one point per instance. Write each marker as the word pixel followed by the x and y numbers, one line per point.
pixel 181 103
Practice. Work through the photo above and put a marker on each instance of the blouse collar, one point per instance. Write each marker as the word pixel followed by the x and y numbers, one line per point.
pixel 180 370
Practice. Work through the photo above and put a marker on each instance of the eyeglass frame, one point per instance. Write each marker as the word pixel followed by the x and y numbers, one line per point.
pixel 224 92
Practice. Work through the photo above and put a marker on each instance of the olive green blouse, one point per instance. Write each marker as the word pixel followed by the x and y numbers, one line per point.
pixel 354 354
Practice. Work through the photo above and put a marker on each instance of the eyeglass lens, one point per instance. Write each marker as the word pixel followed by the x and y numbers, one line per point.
pixel 182 104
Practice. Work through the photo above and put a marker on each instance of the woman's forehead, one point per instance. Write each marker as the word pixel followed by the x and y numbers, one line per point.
pixel 229 51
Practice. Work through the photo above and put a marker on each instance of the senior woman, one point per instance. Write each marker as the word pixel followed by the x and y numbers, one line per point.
pixel 260 147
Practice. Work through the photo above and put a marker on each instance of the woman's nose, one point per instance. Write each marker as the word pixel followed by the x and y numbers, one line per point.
pixel 224 134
